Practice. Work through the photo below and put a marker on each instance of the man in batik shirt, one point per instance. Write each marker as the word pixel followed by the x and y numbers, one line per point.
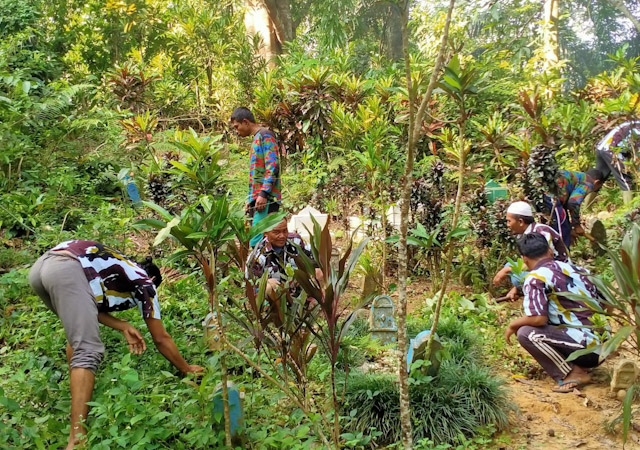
pixel 617 149
pixel 273 254
pixel 554 326
pixel 264 168
pixel 82 282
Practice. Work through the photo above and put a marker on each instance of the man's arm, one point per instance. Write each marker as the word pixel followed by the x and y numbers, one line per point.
pixel 131 334
pixel 532 321
pixel 501 275
pixel 165 345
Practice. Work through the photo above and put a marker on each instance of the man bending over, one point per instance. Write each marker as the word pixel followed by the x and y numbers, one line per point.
pixel 82 282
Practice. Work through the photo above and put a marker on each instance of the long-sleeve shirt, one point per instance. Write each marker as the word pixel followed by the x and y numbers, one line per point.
pixel 273 260
pixel 572 189
pixel 264 169
pixel 553 239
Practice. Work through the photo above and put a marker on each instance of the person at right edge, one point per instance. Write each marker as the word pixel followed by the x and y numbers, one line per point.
pixel 264 170
pixel 616 155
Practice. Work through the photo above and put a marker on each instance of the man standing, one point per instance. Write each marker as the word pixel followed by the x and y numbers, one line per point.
pixel 554 326
pixel 617 149
pixel 264 170
pixel 520 221
pixel 82 282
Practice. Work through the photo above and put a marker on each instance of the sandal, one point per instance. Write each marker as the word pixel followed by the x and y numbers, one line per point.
pixel 563 387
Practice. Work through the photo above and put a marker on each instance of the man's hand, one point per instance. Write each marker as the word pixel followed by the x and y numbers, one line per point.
pixel 501 275
pixel 195 369
pixel 512 295
pixel 135 340
pixel 578 230
pixel 508 332
pixel 261 203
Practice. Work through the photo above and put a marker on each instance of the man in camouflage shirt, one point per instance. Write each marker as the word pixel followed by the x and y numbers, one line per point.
pixel 277 250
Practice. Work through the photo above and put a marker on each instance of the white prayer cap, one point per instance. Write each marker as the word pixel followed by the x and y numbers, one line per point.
pixel 520 209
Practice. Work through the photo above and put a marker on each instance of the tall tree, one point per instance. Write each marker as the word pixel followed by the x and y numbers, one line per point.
pixel 416 117
pixel 550 42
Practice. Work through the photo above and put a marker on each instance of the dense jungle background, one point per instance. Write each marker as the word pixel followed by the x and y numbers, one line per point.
pixel 368 100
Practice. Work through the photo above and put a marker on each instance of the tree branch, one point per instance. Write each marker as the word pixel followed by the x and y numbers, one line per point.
pixel 620 6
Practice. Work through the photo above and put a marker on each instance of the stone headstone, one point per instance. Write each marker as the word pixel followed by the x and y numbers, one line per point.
pixel 381 320
pixel 495 191
pixel 418 348
pixel 370 284
pixel 302 224
pixel 624 375
pixel 235 406
pixel 393 216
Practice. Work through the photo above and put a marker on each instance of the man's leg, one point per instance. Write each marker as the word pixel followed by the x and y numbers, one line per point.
pixel 72 300
pixel 81 382
pixel 550 345
pixel 271 207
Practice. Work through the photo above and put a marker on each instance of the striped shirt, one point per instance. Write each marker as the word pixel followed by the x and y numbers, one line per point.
pixel 117 282
pixel 543 288
pixel 553 239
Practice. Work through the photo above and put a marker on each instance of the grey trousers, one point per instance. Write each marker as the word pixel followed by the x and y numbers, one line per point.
pixel 60 282
pixel 550 346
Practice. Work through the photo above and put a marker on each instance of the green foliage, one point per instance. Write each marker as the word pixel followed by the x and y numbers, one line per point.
pixel 461 400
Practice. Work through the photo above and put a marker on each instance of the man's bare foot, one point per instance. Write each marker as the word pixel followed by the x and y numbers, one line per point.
pixel 575 379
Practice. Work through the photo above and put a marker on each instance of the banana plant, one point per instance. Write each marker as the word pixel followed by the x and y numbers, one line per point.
pixel 328 293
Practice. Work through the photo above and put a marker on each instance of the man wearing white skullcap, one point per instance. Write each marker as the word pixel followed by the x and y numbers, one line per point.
pixel 520 221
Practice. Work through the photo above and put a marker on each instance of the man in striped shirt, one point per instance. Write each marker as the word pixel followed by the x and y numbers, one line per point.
pixel 82 282
pixel 554 326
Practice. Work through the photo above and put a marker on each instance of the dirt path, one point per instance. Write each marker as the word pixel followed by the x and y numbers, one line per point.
pixel 559 421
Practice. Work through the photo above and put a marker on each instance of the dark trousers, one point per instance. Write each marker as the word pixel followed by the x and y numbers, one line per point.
pixel 608 164
pixel 550 346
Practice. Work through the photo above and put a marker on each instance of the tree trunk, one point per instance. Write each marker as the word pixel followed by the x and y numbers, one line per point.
pixel 415 121
pixel 393 33
pixel 223 363
pixel 550 42
pixel 257 21
pixel 336 418
pixel 454 223
pixel 620 6
pixel 280 15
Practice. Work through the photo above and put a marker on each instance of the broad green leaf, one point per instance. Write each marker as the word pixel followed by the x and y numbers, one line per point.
pixel 159 209
pixel 166 231
pixel 626 413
